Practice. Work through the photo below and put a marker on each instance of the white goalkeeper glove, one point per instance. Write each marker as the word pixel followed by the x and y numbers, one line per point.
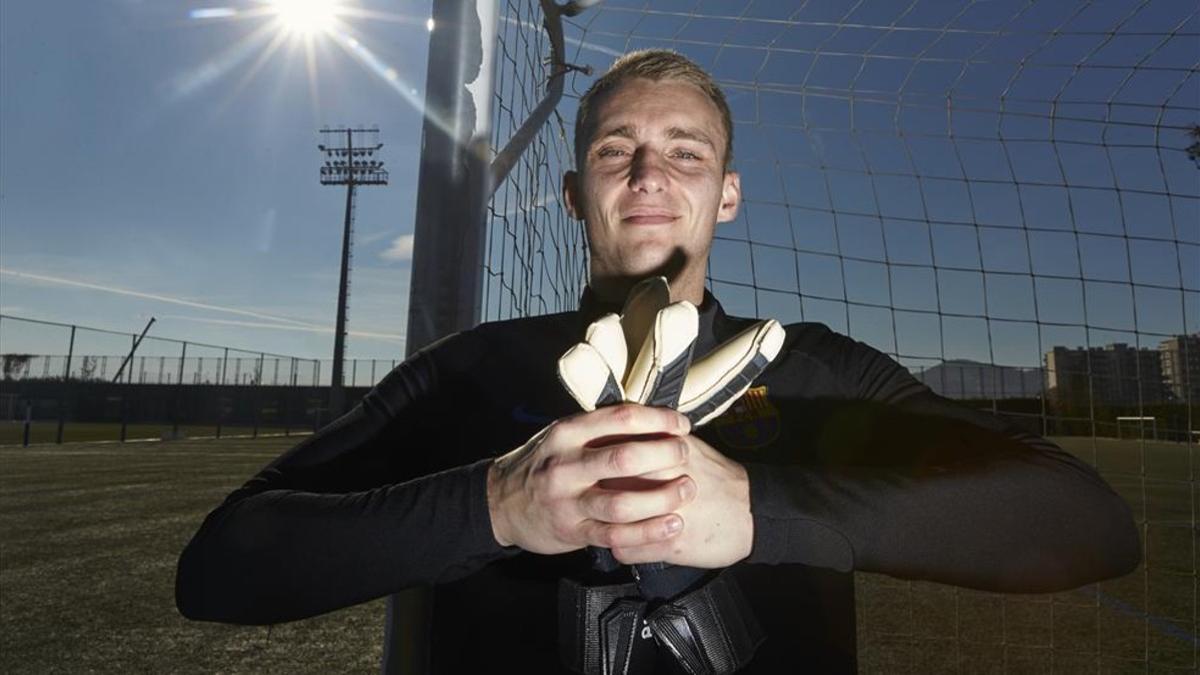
pixel 660 336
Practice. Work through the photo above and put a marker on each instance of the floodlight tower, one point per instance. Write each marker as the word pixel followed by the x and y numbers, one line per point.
pixel 349 164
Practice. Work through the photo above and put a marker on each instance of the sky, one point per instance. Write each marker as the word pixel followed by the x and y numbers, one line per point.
pixel 909 168
pixel 159 159
pixel 150 149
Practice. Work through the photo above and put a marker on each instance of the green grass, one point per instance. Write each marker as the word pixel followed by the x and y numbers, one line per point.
pixel 89 536
pixel 923 627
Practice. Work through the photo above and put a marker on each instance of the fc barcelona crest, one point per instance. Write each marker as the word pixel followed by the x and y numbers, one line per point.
pixel 752 422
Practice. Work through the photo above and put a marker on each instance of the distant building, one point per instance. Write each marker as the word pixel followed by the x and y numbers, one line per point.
pixel 961 378
pixel 1180 357
pixel 1115 374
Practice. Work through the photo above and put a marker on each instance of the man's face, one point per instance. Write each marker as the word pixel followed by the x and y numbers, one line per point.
pixel 653 185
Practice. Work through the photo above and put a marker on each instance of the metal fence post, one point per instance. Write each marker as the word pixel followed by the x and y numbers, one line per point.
pixel 221 392
pixel 128 378
pixel 317 385
pixel 287 398
pixel 254 400
pixel 62 400
pixel 178 393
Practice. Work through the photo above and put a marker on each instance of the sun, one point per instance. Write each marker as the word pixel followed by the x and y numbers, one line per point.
pixel 306 17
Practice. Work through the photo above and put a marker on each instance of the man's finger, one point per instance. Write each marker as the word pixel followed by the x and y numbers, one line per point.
pixel 632 458
pixel 657 551
pixel 625 419
pixel 639 534
pixel 630 506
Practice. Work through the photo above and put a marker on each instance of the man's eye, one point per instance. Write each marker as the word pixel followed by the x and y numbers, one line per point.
pixel 686 154
pixel 610 152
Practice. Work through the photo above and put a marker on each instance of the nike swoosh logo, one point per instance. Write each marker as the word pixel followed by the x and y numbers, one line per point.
pixel 522 414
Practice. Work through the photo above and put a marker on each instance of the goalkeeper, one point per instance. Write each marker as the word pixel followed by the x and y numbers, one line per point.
pixel 470 467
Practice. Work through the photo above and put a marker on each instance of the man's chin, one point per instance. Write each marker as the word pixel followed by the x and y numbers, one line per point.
pixel 661 263
pixel 660 268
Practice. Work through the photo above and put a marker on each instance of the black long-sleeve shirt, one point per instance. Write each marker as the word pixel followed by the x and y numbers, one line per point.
pixel 853 465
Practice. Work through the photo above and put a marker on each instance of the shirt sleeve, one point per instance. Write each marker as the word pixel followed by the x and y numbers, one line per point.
pixel 898 480
pixel 362 509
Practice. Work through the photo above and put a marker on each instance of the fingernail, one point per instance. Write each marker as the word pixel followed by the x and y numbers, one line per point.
pixel 673 525
pixel 687 489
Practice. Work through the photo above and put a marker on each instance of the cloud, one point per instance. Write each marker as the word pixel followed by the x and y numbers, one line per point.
pixel 27 277
pixel 391 337
pixel 371 237
pixel 401 248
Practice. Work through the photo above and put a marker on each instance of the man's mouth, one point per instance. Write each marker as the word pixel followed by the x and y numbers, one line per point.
pixel 648 217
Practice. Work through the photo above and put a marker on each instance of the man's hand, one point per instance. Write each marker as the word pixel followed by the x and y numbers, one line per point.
pixel 718 530
pixel 555 493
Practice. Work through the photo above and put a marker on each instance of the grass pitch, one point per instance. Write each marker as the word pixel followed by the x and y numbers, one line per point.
pixel 90 533
pixel 1143 622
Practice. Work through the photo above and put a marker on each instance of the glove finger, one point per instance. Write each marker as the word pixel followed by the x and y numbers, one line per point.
pixel 720 377
pixel 675 334
pixel 587 378
pixel 657 375
pixel 606 336
pixel 641 308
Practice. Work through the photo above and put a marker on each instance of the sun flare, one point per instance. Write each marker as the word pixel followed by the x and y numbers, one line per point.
pixel 306 17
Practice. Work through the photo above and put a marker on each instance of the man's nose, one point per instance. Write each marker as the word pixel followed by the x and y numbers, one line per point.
pixel 646 174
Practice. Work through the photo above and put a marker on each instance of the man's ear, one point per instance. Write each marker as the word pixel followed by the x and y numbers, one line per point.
pixel 731 197
pixel 570 191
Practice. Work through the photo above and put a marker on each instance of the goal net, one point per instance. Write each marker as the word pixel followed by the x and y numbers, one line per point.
pixel 1003 195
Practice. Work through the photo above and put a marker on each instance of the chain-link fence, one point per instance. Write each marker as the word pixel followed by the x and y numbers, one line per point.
pixel 63 382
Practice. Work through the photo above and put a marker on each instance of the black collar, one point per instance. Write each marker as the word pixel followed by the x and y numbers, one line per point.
pixel 714 325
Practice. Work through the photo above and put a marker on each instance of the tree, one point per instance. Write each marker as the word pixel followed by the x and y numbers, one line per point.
pixel 15 365
pixel 87 368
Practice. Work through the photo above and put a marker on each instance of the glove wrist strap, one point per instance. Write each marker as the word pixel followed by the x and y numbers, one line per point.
pixel 710 630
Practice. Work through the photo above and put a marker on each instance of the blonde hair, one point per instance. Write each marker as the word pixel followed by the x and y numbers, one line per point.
pixel 656 65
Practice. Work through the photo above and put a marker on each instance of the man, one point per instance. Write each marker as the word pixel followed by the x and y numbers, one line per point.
pixel 470 468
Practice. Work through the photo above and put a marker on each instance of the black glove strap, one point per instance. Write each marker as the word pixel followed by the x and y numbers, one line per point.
pixel 598 627
pixel 710 631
